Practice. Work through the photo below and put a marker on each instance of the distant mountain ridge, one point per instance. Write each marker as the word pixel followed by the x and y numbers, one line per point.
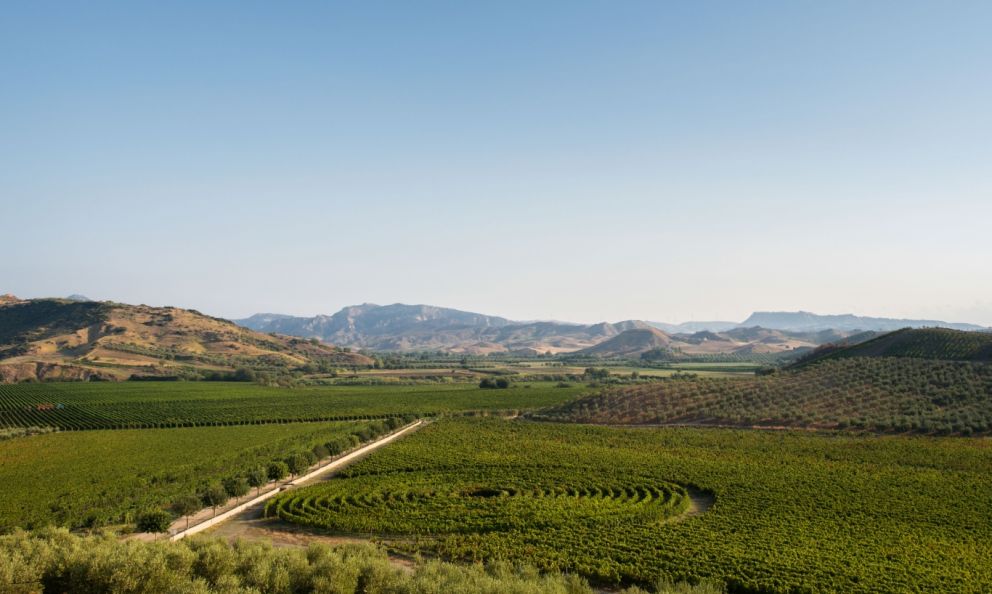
pixel 806 321
pixel 401 327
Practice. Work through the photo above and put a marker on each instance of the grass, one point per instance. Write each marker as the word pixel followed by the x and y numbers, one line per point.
pixel 793 512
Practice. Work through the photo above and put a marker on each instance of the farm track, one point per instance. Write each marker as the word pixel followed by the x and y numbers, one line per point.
pixel 204 521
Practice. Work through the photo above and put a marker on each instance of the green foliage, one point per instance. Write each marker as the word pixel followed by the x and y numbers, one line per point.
pixel 236 487
pixel 500 383
pixel 793 512
pixel 597 373
pixel 154 521
pixel 297 463
pixel 41 318
pixel 71 406
pixel 61 562
pixel 878 394
pixel 923 343
pixel 93 478
pixel 213 495
pixel 186 505
pixel 257 477
pixel 278 470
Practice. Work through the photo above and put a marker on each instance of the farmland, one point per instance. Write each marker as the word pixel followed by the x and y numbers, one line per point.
pixel 793 512
pixel 72 406
pixel 95 478
pixel 887 394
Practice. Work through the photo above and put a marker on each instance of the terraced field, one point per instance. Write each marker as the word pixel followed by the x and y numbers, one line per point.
pixel 793 512
pixel 131 405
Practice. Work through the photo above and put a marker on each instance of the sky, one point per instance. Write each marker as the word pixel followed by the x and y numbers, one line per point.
pixel 579 161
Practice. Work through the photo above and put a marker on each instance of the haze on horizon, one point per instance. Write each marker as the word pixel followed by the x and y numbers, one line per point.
pixel 572 161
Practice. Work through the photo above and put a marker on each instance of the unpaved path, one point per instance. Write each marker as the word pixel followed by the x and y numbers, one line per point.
pixel 699 503
pixel 204 519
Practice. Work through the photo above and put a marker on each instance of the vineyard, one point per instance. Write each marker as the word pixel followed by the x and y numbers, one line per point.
pixel 94 478
pixel 793 512
pixel 879 394
pixel 132 405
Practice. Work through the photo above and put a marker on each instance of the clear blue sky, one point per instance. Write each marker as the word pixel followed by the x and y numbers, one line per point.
pixel 572 160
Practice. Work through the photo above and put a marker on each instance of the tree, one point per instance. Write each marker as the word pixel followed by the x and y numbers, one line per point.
pixel 320 450
pixel 278 470
pixel 297 463
pixel 487 384
pixel 156 520
pixel 502 383
pixel 187 505
pixel 257 477
pixel 336 446
pixel 213 496
pixel 237 487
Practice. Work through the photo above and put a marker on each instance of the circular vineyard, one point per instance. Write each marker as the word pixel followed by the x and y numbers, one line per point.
pixel 415 507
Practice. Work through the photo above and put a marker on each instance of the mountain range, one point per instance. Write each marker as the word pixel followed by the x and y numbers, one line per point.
pixel 401 327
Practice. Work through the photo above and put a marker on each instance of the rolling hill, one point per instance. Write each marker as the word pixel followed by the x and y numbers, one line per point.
pixel 927 381
pixel 77 340
pixel 631 343
pixel 941 344
pixel 653 344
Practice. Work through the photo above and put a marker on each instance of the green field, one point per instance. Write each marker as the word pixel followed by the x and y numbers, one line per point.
pixel 879 394
pixel 94 478
pixel 793 512
pixel 72 406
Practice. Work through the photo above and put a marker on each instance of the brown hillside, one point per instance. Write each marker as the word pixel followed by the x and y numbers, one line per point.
pixel 61 339
pixel 630 343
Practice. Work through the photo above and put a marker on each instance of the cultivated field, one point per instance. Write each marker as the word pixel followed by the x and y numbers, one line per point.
pixel 71 406
pixel 792 512
pixel 95 478
pixel 885 394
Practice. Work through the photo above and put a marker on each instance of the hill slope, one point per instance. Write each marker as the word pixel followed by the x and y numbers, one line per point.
pixel 882 394
pixel 931 380
pixel 631 343
pixel 65 339
pixel 941 344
